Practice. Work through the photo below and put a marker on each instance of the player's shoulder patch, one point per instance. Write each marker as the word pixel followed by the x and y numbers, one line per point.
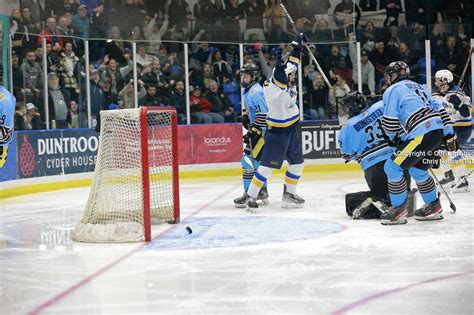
pixel 2 96
pixel 266 83
pixel 253 91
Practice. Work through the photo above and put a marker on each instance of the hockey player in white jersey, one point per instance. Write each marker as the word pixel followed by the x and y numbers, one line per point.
pixel 282 141
pixel 7 112
pixel 459 108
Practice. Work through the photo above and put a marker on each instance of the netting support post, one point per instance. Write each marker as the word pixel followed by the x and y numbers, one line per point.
pixel 186 83
pixel 359 68
pixel 428 64
pixel 174 140
pixel 145 174
pixel 88 84
pixel 45 82
pixel 300 88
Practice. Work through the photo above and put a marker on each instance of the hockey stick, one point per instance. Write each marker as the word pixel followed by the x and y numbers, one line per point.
pixel 461 79
pixel 306 45
pixel 451 204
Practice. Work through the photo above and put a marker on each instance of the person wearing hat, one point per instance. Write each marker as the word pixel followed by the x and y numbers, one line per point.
pixel 80 22
pixel 33 117
pixel 367 70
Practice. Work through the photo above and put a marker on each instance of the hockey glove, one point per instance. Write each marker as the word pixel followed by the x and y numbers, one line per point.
pixel 245 118
pixel 3 155
pixel 456 101
pixel 299 40
pixel 251 138
pixel 451 143
pixel 391 142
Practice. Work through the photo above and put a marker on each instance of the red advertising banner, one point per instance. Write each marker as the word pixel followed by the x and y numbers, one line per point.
pixel 201 144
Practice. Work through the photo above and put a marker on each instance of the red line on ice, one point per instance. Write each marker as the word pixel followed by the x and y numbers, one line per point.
pixel 376 296
pixel 93 276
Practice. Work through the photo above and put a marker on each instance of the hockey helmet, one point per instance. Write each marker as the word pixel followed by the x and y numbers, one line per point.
pixel 443 79
pixel 396 71
pixel 355 103
pixel 251 69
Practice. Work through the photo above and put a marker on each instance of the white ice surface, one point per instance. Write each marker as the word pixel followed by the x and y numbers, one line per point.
pixel 313 260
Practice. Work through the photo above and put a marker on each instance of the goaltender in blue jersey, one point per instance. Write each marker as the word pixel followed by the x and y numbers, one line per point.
pixel 7 112
pixel 362 140
pixel 418 124
pixel 282 141
pixel 254 120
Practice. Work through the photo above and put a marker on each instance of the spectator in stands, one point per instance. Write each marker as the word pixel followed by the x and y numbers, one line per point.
pixel 81 22
pixel 142 57
pixel 345 9
pixel 368 5
pixel 201 52
pixel 393 41
pixel 321 32
pixel 64 29
pixel 393 9
pixel 151 98
pixel 220 102
pixel 20 38
pixel 178 100
pixel 76 117
pixel 438 38
pixel 128 96
pixel 152 75
pixel 30 23
pixel 309 8
pixel 232 90
pixel 116 76
pixel 32 77
pixel 462 37
pixel 97 93
pixel 109 97
pixel 37 9
pixel 203 12
pixel 233 13
pixel 451 57
pixel 220 67
pixel 135 35
pixel 69 70
pixel 316 103
pixel 201 109
pixel 407 56
pixel 343 70
pixel 20 116
pixel 179 13
pixel 346 28
pixel 332 61
pixel 58 100
pixel 51 34
pixel 380 58
pixel 367 70
pixel 154 34
pixel 416 39
pixel 254 10
pixel 339 90
pixel 368 36
pixel 17 75
pixel 33 117
pixel 451 11
pixel 274 20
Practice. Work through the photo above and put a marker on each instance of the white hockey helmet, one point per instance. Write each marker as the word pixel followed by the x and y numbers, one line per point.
pixel 445 76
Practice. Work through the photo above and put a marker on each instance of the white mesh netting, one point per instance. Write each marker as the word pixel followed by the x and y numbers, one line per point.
pixel 115 208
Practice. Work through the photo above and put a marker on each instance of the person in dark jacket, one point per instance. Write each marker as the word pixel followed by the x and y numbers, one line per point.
pixel 220 102
pixel 178 100
pixel 151 98
pixel 20 116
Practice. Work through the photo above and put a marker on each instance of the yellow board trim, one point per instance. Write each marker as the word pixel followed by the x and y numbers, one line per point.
pixel 183 175
pixel 408 149
pixel 291 181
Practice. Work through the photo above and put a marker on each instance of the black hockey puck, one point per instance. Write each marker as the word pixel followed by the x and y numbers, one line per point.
pixel 188 229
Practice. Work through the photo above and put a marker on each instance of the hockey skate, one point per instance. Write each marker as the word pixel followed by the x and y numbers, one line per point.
pixel 429 212
pixel 461 186
pixel 411 202
pixel 362 209
pixel 262 198
pixel 251 205
pixel 289 200
pixel 395 215
pixel 448 178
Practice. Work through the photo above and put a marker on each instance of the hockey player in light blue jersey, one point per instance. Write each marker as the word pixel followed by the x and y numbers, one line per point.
pixel 419 124
pixel 282 141
pixel 254 120
pixel 7 112
pixel 362 140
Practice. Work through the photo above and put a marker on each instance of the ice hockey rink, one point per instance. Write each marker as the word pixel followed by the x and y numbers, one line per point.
pixel 302 261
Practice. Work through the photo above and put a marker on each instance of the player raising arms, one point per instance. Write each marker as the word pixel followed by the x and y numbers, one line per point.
pixel 362 139
pixel 458 106
pixel 7 112
pixel 421 124
pixel 281 140
pixel 254 118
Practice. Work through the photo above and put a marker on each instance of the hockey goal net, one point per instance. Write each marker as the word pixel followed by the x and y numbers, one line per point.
pixel 136 176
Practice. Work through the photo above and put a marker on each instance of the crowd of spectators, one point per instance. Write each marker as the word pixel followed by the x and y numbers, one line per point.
pixel 160 26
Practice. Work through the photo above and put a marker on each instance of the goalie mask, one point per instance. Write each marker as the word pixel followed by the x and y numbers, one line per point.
pixel 443 80
pixel 249 73
pixel 290 72
pixel 355 103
